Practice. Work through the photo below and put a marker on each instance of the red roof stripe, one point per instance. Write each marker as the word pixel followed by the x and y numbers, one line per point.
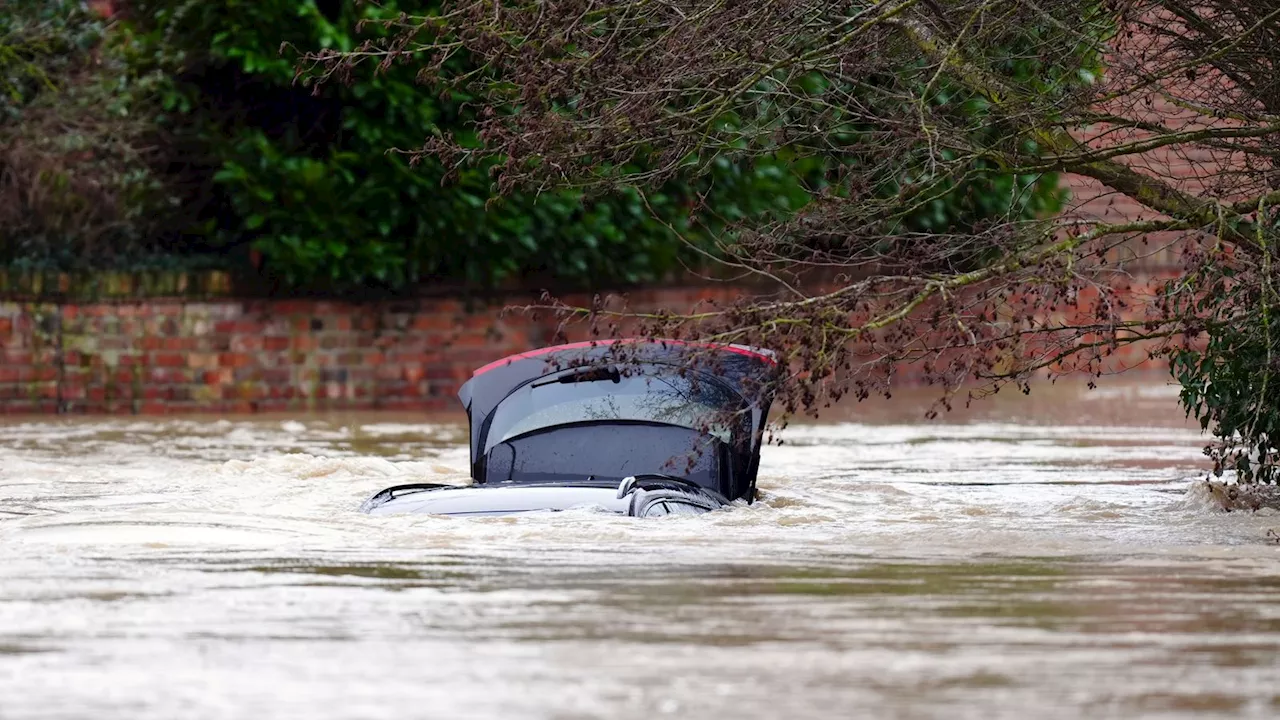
pixel 595 343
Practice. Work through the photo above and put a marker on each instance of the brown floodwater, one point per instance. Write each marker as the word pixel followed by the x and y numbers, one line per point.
pixel 1049 556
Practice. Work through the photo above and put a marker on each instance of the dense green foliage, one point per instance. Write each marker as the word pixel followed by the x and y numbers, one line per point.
pixel 308 179
pixel 41 43
pixel 1230 374
pixel 249 158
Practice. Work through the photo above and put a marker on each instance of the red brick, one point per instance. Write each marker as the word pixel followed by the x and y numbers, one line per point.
pixel 13 357
pixel 275 344
pixel 469 341
pixel 434 322
pixel 234 360
pixel 275 376
pixel 402 355
pixel 169 360
pixel 217 377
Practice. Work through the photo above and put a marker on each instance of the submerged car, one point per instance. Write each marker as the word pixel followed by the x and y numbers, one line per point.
pixel 635 427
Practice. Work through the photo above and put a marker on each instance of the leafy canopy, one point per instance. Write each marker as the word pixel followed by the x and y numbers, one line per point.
pixel 904 107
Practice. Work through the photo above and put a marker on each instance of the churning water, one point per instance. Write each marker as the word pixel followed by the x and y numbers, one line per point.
pixel 1056 559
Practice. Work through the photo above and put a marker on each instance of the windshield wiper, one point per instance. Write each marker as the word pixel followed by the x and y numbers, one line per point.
pixel 388 494
pixel 585 375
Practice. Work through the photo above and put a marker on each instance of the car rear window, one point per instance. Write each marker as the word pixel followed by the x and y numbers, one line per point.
pixel 653 396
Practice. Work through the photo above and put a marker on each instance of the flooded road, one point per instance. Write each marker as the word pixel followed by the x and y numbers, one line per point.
pixel 1047 557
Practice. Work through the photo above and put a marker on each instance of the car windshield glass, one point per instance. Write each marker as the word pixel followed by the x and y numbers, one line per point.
pixel 653 396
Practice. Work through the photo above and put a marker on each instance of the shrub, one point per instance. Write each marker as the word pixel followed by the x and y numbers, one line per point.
pixel 310 178
pixel 77 187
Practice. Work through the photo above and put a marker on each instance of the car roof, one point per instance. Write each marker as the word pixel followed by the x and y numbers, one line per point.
pixel 734 364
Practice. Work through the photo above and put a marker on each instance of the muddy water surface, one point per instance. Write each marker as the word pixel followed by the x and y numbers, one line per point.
pixel 1049 556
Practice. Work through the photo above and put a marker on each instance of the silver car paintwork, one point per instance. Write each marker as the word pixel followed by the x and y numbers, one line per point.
pixel 491 500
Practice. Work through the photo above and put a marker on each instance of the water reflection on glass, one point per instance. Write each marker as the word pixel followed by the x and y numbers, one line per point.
pixel 668 398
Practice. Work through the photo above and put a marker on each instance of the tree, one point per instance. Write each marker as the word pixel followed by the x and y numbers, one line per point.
pixel 307 181
pixel 173 135
pixel 77 186
pixel 914 99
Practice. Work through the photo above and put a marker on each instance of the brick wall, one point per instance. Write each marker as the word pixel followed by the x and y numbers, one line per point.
pixel 169 356
pixel 161 356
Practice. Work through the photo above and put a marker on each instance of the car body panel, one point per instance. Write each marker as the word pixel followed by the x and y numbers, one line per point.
pixel 481 500
pixel 610 425
pixel 638 500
